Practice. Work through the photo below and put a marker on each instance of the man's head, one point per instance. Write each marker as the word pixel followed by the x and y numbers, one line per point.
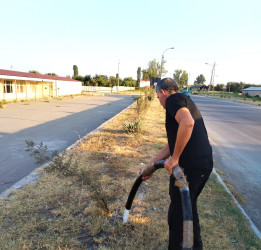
pixel 165 88
pixel 167 84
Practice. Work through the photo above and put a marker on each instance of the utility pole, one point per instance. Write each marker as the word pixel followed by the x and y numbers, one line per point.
pixel 118 75
pixel 187 81
pixel 212 75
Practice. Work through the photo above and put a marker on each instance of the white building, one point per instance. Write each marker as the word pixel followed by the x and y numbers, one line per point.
pixel 252 91
pixel 15 85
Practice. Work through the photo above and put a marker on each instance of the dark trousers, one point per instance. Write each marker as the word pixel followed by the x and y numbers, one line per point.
pixel 197 179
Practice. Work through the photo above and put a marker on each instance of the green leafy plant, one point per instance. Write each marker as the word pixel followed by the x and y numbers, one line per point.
pixel 140 105
pixel 133 127
pixel 65 165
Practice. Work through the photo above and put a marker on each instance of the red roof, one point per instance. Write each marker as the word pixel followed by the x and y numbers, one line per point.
pixel 32 75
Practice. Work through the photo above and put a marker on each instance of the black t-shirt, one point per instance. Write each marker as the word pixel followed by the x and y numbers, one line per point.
pixel 198 151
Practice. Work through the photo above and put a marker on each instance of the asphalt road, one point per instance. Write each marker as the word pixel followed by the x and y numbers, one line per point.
pixel 58 124
pixel 234 130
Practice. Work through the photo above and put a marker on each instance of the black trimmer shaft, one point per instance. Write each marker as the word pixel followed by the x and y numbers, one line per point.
pixel 182 184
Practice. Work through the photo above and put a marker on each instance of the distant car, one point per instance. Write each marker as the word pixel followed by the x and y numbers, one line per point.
pixel 186 92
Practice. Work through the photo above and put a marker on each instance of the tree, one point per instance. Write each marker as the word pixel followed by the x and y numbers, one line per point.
pixel 177 75
pixel 199 80
pixel 114 81
pixel 34 72
pixel 128 82
pixel 100 80
pixel 145 75
pixel 79 78
pixel 181 77
pixel 237 86
pixel 75 71
pixel 184 79
pixel 153 70
pixel 219 87
pixel 87 80
pixel 164 71
pixel 138 77
pixel 51 74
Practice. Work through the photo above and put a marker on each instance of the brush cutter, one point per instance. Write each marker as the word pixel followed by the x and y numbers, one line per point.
pixel 182 184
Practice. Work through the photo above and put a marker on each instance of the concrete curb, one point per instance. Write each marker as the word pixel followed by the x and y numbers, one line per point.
pixel 31 178
pixel 36 174
pixel 252 225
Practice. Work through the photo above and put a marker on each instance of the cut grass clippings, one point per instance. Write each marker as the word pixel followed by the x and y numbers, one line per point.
pixel 57 213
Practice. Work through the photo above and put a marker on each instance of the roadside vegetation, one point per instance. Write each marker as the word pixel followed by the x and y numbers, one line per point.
pixel 79 201
pixel 237 97
pixel 2 104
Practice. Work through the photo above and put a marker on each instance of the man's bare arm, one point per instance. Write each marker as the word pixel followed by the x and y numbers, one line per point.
pixel 163 154
pixel 186 124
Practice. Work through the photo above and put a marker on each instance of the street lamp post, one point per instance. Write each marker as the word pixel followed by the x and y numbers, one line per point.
pixel 162 60
pixel 212 75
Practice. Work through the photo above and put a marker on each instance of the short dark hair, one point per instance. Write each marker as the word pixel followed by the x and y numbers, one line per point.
pixel 168 85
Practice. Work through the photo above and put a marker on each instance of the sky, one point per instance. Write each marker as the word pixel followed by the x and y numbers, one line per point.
pixel 99 37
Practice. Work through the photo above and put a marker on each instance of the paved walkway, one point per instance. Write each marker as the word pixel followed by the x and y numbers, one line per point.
pixel 56 123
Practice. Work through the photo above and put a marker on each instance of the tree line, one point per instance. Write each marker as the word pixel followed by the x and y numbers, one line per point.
pixel 181 77
pixel 103 80
pixel 97 80
pixel 155 69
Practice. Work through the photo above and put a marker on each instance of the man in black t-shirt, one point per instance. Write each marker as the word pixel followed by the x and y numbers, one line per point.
pixel 188 146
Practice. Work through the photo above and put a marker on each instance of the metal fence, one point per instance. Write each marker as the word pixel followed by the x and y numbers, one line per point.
pixel 106 89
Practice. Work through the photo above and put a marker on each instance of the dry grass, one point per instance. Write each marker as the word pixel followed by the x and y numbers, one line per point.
pixel 55 213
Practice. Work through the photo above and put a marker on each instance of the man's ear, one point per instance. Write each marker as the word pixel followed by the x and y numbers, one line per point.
pixel 164 92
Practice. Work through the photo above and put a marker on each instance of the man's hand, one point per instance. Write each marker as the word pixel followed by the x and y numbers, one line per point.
pixel 170 164
pixel 144 178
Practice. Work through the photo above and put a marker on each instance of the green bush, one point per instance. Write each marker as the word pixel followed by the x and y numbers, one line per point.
pixel 67 166
pixel 133 127
pixel 140 105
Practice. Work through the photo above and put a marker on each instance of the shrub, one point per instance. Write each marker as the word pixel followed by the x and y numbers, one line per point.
pixel 67 166
pixel 140 105
pixel 151 94
pixel 133 127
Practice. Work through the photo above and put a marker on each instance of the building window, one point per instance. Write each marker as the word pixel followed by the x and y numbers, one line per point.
pixel 32 88
pixel 20 88
pixel 8 87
